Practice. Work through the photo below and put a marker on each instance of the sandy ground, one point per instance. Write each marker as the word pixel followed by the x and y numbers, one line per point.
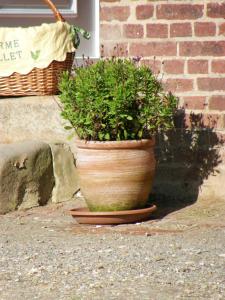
pixel 45 254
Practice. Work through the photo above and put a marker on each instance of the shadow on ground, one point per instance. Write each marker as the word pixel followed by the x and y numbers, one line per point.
pixel 186 156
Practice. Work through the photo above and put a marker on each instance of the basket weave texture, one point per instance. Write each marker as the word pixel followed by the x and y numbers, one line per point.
pixel 38 81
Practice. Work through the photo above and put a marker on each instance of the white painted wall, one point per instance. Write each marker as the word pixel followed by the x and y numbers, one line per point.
pixel 88 18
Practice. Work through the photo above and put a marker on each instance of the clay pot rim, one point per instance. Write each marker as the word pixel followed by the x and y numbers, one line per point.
pixel 127 144
pixel 84 211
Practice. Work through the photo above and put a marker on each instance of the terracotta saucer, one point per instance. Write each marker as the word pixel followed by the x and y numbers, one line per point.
pixel 84 216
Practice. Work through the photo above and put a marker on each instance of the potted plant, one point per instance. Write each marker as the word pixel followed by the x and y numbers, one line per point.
pixel 116 106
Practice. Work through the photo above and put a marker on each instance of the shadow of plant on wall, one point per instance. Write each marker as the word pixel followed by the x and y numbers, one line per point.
pixel 186 156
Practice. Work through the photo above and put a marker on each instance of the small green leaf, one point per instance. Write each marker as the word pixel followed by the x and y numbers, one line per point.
pixel 140 134
pixel 129 118
pixel 125 134
pixel 100 136
pixel 107 136
pixel 68 127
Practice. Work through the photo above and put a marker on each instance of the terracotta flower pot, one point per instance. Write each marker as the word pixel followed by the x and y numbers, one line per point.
pixel 115 175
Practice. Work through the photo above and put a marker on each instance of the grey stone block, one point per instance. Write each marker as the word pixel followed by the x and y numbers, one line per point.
pixel 65 172
pixel 21 117
pixel 26 175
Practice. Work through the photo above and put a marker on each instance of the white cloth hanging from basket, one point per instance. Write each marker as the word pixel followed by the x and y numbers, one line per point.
pixel 23 49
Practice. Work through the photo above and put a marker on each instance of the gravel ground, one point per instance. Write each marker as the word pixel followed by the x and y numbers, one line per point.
pixel 44 254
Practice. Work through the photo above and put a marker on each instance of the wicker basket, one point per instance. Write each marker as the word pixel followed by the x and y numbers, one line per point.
pixel 38 81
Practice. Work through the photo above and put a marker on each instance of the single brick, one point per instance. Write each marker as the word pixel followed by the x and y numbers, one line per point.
pixel 218 66
pixel 179 11
pixel 144 12
pixel 120 13
pixel 216 10
pixel 222 29
pixel 114 49
pixel 179 85
pixel 133 30
pixel 217 102
pixel 153 64
pixel 173 66
pixel 157 30
pixel 110 32
pixel 153 48
pixel 180 29
pixel 214 121
pixel 206 48
pixel 210 121
pixel 194 102
pixel 198 66
pixel 205 29
pixel 211 84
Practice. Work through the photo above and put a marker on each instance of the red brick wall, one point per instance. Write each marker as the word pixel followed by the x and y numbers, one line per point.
pixel 183 40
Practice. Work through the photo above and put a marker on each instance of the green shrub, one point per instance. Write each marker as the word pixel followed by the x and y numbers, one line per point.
pixel 115 99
